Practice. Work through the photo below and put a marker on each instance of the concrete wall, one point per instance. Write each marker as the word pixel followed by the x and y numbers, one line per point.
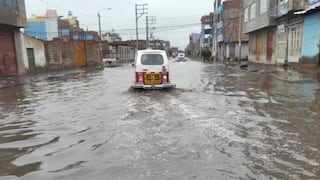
pixel 125 54
pixel 39 51
pixel 285 6
pixel 244 50
pixel 311 39
pixel 93 52
pixel 13 13
pixel 261 20
pixel 22 42
pixel 62 54
pixel 56 58
pixel 19 41
pixel 232 50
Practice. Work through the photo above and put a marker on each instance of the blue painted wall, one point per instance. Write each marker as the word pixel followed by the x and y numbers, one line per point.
pixel 37 30
pixel 311 37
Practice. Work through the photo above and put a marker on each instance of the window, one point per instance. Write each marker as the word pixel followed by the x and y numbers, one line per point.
pixel 65 32
pixel 294 41
pixel 246 14
pixel 253 11
pixel 152 59
pixel 263 6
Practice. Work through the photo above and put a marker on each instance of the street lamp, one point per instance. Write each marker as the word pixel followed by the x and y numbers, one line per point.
pixel 99 19
pixel 100 45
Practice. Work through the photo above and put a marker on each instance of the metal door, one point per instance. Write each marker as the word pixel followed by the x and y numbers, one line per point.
pixel 31 59
pixel 8 62
pixel 258 47
pixel 79 53
pixel 269 45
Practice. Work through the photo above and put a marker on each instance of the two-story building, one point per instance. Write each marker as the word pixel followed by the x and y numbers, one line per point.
pixel 260 25
pixel 12 18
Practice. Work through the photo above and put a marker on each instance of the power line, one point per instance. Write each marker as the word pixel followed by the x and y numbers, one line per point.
pixel 67 10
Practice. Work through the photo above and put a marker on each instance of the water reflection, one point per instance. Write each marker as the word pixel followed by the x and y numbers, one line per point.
pixel 10 98
pixel 7 168
pixel 14 128
pixel 317 99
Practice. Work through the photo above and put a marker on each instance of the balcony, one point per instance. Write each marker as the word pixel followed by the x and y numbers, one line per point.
pixel 287 6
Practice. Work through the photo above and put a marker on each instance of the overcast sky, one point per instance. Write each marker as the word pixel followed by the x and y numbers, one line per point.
pixel 175 19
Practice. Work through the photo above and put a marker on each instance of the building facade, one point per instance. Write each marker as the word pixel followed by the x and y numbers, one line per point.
pixel 12 18
pixel 289 31
pixel 260 25
pixel 310 54
pixel 206 40
pixel 276 30
pixel 231 38
pixel 43 27
pixel 193 48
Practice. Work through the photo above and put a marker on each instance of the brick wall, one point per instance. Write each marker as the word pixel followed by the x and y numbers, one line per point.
pixel 60 54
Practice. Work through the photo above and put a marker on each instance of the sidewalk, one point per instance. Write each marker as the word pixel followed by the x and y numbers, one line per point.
pixel 288 75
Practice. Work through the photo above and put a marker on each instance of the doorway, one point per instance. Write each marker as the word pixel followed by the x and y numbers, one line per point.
pixel 31 59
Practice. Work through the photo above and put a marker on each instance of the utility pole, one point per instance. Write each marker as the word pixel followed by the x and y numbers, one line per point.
pixel 147 30
pixel 240 29
pixel 99 17
pixel 141 9
pixel 150 20
pixel 215 29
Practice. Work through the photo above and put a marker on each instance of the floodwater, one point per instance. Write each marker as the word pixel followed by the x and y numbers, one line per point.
pixel 220 123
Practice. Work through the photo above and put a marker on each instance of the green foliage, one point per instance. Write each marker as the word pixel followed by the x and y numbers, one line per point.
pixel 206 53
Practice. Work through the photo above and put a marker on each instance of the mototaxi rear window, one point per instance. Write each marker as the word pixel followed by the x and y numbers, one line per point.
pixel 152 59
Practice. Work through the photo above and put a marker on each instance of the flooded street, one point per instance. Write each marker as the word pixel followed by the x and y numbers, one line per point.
pixel 220 123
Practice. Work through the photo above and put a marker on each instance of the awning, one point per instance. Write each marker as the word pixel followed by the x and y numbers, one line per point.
pixel 313 6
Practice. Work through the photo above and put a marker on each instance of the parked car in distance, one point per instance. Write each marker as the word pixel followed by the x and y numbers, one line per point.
pixel 152 70
pixel 181 57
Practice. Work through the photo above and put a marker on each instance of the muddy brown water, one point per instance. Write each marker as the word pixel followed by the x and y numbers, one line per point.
pixel 219 123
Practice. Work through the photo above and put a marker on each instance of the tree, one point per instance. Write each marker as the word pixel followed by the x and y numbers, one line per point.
pixel 206 53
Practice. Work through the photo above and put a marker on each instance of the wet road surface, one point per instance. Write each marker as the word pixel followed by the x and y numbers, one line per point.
pixel 219 123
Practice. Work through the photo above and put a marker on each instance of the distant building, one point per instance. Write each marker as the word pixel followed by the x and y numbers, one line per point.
pixel 111 37
pixel 229 31
pixel 193 48
pixel 159 44
pixel 12 18
pixel 141 44
pixel 195 37
pixel 43 27
pixel 206 31
pixel 52 26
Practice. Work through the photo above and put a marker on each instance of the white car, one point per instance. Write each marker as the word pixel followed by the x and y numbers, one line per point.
pixel 181 57
pixel 152 70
